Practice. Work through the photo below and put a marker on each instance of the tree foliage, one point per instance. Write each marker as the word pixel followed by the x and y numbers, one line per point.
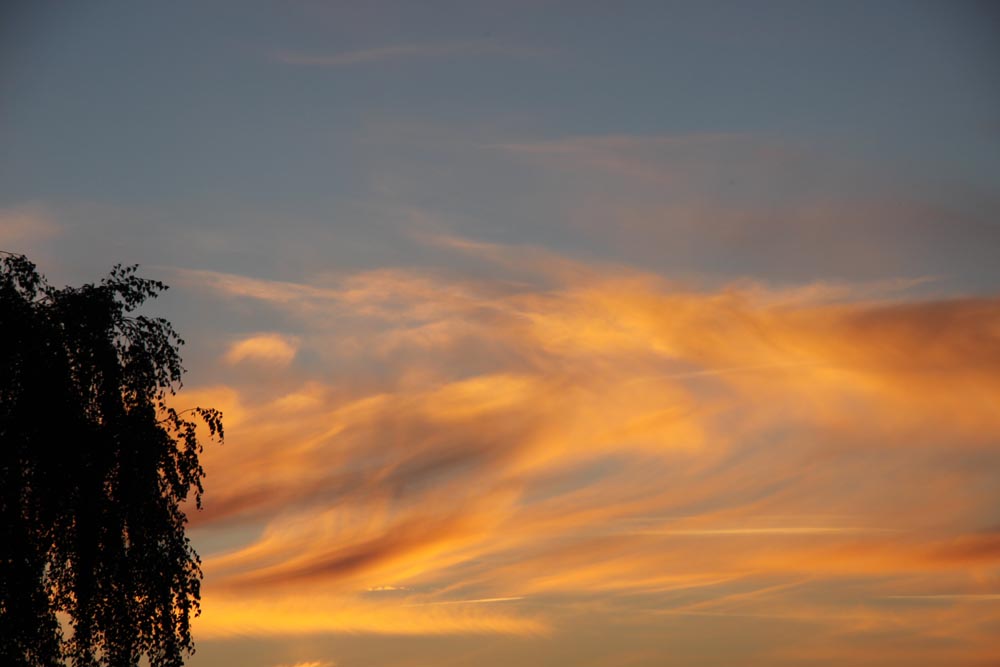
pixel 95 466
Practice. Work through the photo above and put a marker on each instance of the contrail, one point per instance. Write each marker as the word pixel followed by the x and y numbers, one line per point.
pixel 479 601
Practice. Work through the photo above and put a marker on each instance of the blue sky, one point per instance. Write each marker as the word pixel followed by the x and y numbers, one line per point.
pixel 210 114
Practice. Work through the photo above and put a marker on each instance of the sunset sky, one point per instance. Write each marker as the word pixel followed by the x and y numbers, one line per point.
pixel 552 333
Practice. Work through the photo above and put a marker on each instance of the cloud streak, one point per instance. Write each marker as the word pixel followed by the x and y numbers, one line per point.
pixel 405 52
pixel 591 435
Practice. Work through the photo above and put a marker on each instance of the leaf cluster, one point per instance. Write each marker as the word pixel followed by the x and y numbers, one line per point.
pixel 95 466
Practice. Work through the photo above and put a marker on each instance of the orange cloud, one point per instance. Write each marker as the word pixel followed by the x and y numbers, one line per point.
pixel 267 349
pixel 591 431
pixel 318 614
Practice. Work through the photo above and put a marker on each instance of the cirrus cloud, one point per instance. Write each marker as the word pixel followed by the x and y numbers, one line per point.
pixel 590 435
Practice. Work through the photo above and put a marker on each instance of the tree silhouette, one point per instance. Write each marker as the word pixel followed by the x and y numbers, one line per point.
pixel 95 568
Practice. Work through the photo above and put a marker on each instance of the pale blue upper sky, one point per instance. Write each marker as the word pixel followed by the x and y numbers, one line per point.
pixel 332 117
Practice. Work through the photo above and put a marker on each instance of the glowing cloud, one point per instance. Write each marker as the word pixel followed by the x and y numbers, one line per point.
pixel 306 615
pixel 24 224
pixel 265 349
pixel 592 433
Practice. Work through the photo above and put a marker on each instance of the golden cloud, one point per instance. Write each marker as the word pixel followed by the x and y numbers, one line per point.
pixel 592 431
pixel 267 349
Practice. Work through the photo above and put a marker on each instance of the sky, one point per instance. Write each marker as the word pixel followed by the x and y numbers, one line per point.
pixel 552 333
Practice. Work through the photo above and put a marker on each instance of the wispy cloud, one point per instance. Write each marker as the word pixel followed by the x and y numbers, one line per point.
pixel 948 597
pixel 397 52
pixel 585 432
pixel 756 532
pixel 479 601
pixel 284 615
pixel 25 224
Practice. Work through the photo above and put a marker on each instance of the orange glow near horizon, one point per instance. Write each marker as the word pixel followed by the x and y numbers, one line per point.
pixel 596 440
